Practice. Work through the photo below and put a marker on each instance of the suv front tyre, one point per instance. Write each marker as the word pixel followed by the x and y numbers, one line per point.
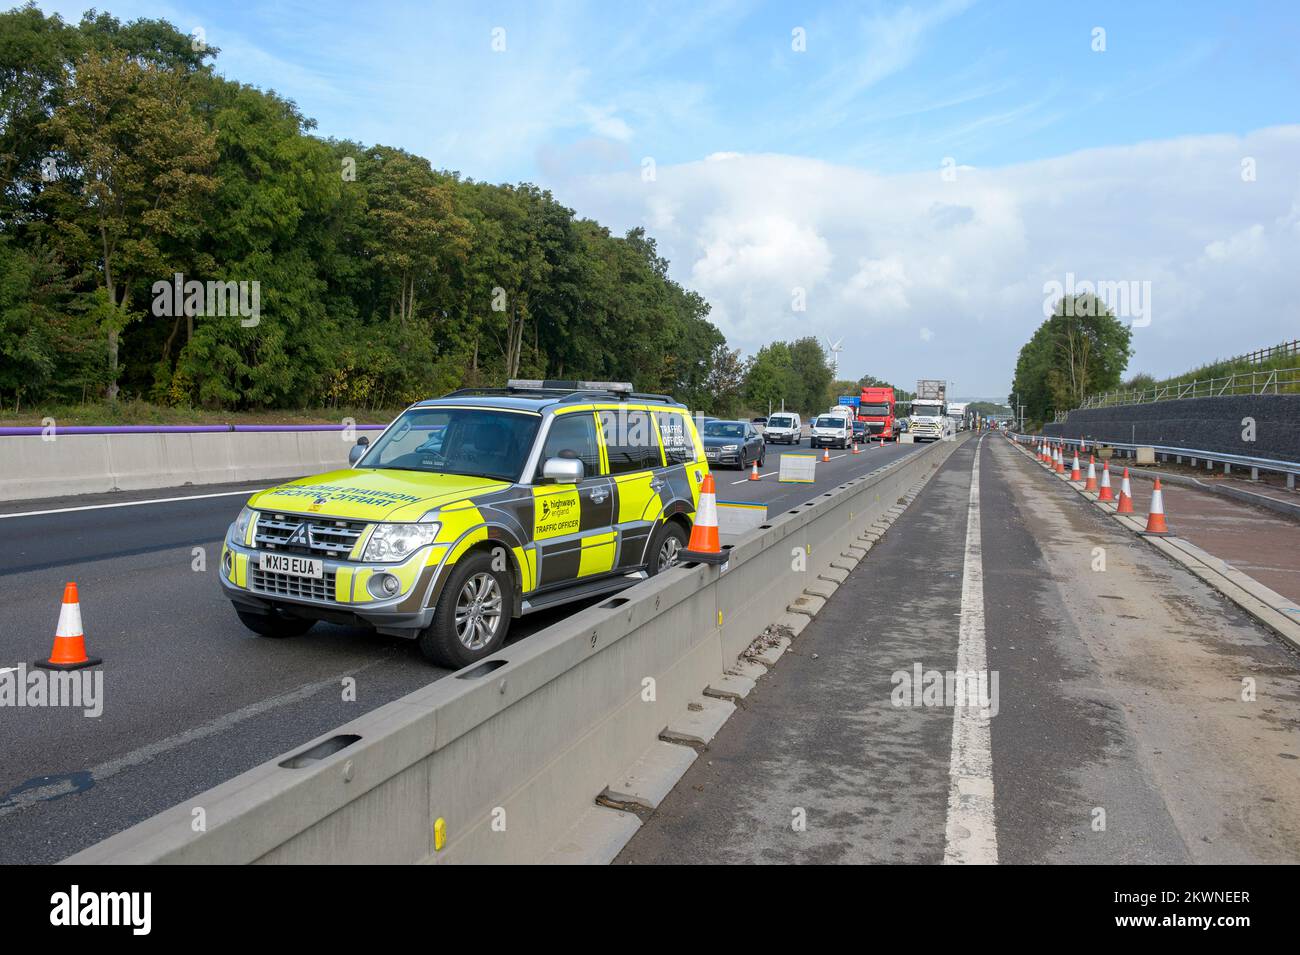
pixel 473 614
pixel 666 547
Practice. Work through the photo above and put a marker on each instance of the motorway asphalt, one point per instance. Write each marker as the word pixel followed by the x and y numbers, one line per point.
pixel 191 697
pixel 1122 731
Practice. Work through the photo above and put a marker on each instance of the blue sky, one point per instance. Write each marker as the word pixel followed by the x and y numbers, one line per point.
pixel 1012 94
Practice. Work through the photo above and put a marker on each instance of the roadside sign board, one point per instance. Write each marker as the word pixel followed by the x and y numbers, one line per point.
pixel 797 468
pixel 740 517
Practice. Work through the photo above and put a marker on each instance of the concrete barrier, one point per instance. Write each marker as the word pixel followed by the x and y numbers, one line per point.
pixel 511 754
pixel 93 460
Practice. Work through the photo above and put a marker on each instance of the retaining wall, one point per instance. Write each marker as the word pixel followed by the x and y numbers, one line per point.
pixel 1206 424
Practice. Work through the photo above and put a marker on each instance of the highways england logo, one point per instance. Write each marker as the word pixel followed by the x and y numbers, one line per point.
pixel 78 689
pixel 971 689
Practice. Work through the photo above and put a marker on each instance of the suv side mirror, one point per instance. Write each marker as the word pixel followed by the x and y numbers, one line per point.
pixel 358 449
pixel 563 470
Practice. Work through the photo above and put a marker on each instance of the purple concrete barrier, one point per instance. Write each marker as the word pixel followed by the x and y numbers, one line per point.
pixel 35 463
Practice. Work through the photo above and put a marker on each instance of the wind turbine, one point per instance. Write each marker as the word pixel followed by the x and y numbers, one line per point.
pixel 835 350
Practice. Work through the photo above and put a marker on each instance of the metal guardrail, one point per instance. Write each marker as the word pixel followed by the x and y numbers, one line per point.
pixel 1239 383
pixel 1229 461
pixel 1273 351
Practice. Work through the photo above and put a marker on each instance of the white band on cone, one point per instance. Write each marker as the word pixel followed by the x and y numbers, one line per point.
pixel 706 515
pixel 69 621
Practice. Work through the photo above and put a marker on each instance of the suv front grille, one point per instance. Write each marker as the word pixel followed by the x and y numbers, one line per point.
pixel 322 537
pixel 284 585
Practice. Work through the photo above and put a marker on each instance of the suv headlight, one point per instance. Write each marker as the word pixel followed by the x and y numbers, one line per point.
pixel 730 447
pixel 239 530
pixel 393 542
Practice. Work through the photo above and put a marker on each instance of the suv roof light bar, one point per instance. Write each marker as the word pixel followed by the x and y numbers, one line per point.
pixel 535 384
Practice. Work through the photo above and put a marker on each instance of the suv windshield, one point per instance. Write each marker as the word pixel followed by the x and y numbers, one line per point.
pixel 833 421
pixel 779 421
pixel 490 444
pixel 724 429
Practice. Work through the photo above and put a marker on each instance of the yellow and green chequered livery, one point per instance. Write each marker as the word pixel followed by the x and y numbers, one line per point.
pixel 470 510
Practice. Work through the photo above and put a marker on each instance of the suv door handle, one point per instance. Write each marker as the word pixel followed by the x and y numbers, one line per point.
pixel 656 484
pixel 598 495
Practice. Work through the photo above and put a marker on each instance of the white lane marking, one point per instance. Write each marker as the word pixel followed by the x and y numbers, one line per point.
pixel 156 500
pixel 971 835
pixel 213 727
pixel 8 669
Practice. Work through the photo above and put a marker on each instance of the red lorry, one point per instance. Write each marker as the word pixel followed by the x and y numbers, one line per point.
pixel 876 411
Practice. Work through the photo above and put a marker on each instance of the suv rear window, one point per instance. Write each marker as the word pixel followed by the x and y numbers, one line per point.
pixel 678 447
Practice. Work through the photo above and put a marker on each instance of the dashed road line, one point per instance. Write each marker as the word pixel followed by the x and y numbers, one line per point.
pixel 157 500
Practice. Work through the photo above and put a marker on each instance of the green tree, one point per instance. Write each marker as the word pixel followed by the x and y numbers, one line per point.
pixel 811 374
pixel 724 384
pixel 770 381
pixel 381 279
pixel 1081 349
pixel 137 160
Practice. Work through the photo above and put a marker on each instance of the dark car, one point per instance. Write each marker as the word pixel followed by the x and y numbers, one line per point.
pixel 860 432
pixel 732 443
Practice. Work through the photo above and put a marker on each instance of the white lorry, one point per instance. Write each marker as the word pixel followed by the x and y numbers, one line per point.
pixel 928 420
pixel 957 414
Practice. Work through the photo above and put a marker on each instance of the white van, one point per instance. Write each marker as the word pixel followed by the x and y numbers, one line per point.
pixel 783 427
pixel 832 430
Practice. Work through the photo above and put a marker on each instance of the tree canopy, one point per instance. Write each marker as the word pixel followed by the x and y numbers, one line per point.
pixel 126 161
pixel 1079 350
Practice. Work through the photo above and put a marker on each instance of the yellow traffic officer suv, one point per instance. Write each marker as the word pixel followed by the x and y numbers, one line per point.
pixel 470 510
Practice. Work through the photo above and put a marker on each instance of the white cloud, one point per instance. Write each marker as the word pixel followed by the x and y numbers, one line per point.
pixel 887 259
pixel 603 122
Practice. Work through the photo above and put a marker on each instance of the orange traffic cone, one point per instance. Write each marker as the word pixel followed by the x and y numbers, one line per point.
pixel 753 474
pixel 1059 465
pixel 1125 496
pixel 856 449
pixel 1104 493
pixel 1074 469
pixel 826 453
pixel 703 545
pixel 1156 519
pixel 1091 483
pixel 69 651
